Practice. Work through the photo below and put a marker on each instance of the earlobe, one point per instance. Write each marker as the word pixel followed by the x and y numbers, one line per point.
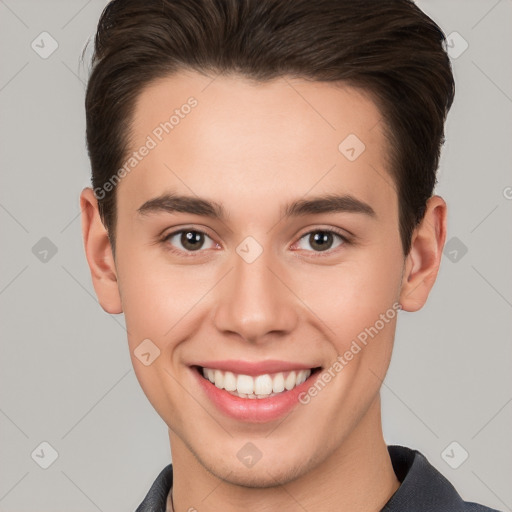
pixel 424 258
pixel 99 254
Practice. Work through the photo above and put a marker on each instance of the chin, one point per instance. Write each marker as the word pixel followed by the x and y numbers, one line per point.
pixel 263 475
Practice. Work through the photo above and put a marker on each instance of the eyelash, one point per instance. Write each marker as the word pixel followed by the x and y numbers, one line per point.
pixel 188 254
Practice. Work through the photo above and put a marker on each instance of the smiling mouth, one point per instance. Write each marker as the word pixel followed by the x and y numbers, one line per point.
pixel 259 386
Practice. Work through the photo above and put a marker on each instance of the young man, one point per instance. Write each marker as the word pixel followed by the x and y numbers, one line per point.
pixel 261 210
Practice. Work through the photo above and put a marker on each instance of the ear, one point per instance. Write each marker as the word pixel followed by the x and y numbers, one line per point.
pixel 422 263
pixel 99 254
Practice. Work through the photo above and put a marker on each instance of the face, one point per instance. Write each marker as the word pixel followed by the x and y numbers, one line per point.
pixel 257 245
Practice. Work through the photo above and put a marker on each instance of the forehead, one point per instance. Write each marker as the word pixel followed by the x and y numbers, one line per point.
pixel 255 145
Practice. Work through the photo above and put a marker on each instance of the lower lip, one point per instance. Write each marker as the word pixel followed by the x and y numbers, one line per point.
pixel 256 410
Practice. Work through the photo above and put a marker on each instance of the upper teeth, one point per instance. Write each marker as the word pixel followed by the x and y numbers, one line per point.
pixel 260 386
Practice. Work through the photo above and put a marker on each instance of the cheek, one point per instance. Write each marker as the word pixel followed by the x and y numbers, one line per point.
pixel 159 299
pixel 351 296
pixel 158 304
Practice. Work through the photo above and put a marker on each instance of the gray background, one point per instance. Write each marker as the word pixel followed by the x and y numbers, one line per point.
pixel 65 372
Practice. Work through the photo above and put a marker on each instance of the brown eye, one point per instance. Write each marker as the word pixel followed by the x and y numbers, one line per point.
pixel 192 240
pixel 322 240
pixel 188 240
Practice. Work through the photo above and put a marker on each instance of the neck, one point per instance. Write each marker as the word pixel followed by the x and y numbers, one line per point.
pixel 357 476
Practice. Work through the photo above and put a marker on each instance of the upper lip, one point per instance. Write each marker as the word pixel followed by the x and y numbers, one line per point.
pixel 254 367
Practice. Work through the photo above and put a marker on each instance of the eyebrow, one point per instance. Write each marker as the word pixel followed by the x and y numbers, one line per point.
pixel 330 203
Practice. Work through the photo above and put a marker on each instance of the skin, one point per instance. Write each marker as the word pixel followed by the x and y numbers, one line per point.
pixel 254 148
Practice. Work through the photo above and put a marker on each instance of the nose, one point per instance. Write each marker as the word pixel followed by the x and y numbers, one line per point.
pixel 254 302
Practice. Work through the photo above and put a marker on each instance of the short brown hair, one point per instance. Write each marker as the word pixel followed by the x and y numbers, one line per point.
pixel 389 48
